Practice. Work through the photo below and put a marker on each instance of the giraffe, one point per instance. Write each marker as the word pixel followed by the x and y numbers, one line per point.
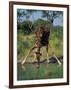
pixel 42 39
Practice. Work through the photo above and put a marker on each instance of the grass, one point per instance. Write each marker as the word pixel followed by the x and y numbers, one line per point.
pixel 46 71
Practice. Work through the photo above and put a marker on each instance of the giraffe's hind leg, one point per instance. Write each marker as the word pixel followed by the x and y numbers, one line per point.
pixel 47 54
pixel 38 56
pixel 58 61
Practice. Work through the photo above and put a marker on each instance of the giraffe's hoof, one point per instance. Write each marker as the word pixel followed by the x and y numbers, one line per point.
pixel 23 62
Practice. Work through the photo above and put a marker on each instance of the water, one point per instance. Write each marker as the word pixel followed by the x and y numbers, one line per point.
pixel 45 71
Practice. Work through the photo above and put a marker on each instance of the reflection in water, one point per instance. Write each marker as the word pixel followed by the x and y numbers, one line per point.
pixel 45 71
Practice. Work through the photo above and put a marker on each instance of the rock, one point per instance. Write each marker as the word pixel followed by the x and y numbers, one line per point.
pixel 52 60
pixel 61 59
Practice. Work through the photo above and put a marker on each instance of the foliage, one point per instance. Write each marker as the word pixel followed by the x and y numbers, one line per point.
pixel 41 22
pixel 51 15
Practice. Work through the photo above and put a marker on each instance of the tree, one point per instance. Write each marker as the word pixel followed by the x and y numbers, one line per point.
pixel 40 22
pixel 25 14
pixel 26 27
pixel 51 15
pixel 28 14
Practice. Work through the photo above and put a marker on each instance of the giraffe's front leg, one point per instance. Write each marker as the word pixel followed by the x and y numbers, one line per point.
pixel 28 54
